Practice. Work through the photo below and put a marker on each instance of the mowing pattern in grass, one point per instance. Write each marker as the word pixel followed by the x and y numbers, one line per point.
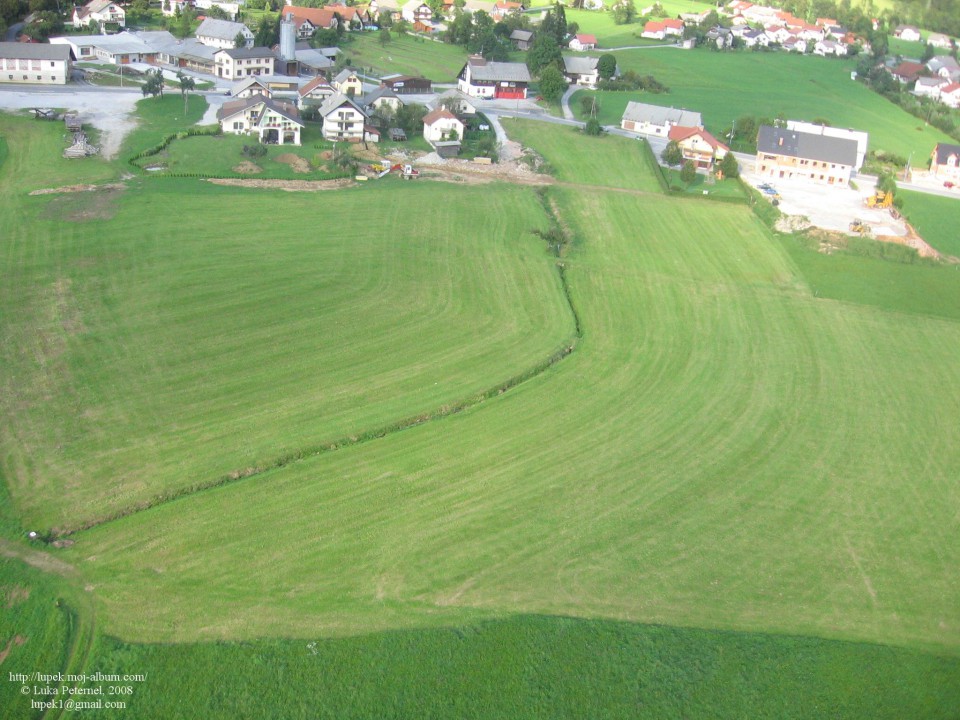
pixel 408 55
pixel 935 218
pixel 537 667
pixel 203 332
pixel 725 86
pixel 723 450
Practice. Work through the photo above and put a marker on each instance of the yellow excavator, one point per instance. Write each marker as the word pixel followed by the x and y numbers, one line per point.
pixel 859 227
pixel 880 200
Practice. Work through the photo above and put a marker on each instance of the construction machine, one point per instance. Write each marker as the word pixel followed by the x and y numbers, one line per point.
pixel 880 200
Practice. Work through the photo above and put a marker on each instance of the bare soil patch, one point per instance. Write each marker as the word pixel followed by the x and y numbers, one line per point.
pixel 288 185
pixel 470 173
pixel 65 189
pixel 247 168
pixel 17 594
pixel 912 239
pixel 296 163
pixel 84 206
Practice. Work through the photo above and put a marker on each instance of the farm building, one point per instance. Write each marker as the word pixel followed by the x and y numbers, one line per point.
pixel 406 84
pixel 945 163
pixel 656 120
pixel 118 49
pixel 482 78
pixel 273 121
pixel 35 63
pixel 522 39
pixel 222 33
pixel 790 154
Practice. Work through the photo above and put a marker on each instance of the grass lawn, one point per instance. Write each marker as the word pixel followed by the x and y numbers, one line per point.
pixel 158 117
pixel 912 50
pixel 702 186
pixel 801 88
pixel 409 55
pixel 742 435
pixel 935 218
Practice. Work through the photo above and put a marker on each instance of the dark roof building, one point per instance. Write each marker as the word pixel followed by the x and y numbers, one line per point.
pixel 791 154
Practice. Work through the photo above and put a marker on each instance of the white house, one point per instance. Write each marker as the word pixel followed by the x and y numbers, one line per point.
pixel 441 125
pixel 583 42
pixel 273 121
pixel 248 88
pixel 416 11
pixel 99 14
pixel 223 33
pixel 315 92
pixel 830 47
pixel 171 7
pixel 929 87
pixel 230 8
pixel 656 120
pixel 581 70
pixel 483 78
pixel 343 119
pixel 348 82
pixel 945 163
pixel 35 63
pixel 950 95
pixel 907 32
pixel 939 40
pixel 237 63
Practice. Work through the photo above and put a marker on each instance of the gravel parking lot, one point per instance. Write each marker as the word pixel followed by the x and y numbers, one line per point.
pixel 831 207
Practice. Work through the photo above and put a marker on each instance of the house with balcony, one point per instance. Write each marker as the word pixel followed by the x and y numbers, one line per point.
pixel 238 63
pixel 100 15
pixel 273 121
pixel 343 119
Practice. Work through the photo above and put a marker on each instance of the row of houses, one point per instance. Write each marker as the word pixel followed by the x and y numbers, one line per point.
pixel 804 151
pixel 938 78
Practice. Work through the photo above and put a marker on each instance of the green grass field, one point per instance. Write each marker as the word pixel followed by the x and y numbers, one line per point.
pixel 725 86
pixel 935 218
pixel 410 55
pixel 725 446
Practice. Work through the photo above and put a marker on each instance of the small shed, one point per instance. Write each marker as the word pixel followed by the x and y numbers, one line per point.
pixel 447 148
pixel 397 134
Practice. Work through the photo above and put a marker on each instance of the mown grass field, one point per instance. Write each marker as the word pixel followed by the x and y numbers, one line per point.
pixel 725 86
pixel 935 218
pixel 724 448
pixel 408 55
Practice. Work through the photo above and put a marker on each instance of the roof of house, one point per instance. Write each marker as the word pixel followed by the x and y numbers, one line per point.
pixel 235 107
pixel 34 51
pixel 935 81
pixel 587 39
pixel 521 35
pixel 95 6
pixel 475 5
pixel 439 114
pixel 579 65
pixel 380 92
pixel 908 70
pixel 319 17
pixel 345 74
pixel 944 151
pixel 653 26
pixel 901 28
pixel 221 29
pixel 658 115
pixel 188 48
pixel 680 133
pixel 949 89
pixel 935 64
pixel 486 71
pixel 248 53
pixel 124 43
pixel 810 146
pixel 316 59
pixel 673 23
pixel 338 100
pixel 318 82
pixel 239 87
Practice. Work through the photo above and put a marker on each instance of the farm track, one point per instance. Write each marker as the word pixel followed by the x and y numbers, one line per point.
pixel 444 411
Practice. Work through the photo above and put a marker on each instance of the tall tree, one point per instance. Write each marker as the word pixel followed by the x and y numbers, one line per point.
pixel 187 84
pixel 552 84
pixel 544 52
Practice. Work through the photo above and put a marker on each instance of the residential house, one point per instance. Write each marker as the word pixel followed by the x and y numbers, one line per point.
pixel 929 87
pixel 522 39
pixel 826 48
pixel 309 20
pixel 907 72
pixel 353 19
pixel 417 12
pixel 376 7
pixel 171 7
pixel 343 119
pixel 40 63
pixel 223 33
pixel 795 45
pixel 720 36
pixel 698 146
pixel 582 42
pixel 660 29
pixel 237 63
pixel 483 78
pixel 315 92
pixel 790 154
pixel 944 66
pixel 581 70
pixel 347 82
pixel 753 37
pixel 939 40
pixel 456 102
pixel 407 84
pixel 441 125
pixel 950 95
pixel 248 88
pixel 380 99
pixel 907 32
pixel 101 15
pixel 945 163
pixel 656 120
pixel 696 17
pixel 862 139
pixel 232 9
pixel 273 121
pixel 505 8
pixel 472 6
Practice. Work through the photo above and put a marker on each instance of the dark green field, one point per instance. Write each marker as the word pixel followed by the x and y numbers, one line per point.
pixel 404 461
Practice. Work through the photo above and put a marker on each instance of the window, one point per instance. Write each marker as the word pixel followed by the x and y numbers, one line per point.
pixel 39 77
pixel 52 63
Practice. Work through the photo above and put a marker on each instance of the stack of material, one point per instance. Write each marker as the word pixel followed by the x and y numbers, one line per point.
pixel 72 121
pixel 80 147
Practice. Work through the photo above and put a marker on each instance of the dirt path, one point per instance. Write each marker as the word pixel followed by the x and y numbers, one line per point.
pixel 288 185
pixel 36 558
pixel 912 239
